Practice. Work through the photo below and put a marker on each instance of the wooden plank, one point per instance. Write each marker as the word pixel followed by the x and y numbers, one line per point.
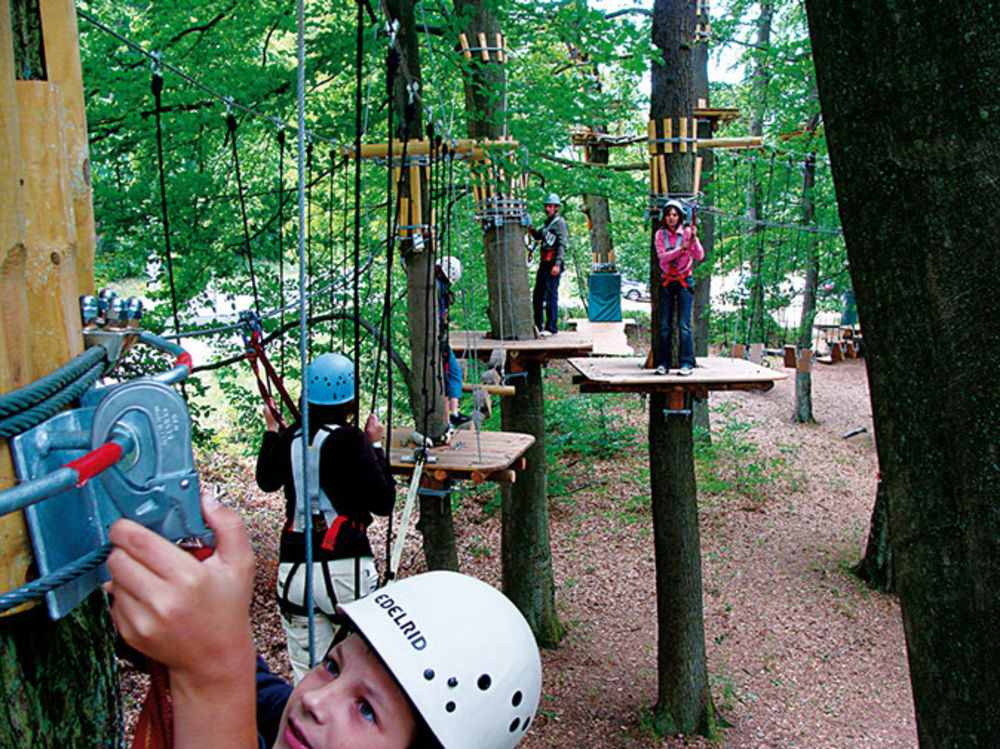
pixel 737 350
pixel 62 61
pixel 15 367
pixel 805 361
pixel 836 352
pixel 464 43
pixel 626 374
pixel 756 353
pixel 482 47
pixel 683 123
pixel 485 453
pixel 790 356
pixel 562 345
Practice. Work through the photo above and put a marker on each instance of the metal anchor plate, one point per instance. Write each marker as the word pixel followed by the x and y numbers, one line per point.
pixel 154 483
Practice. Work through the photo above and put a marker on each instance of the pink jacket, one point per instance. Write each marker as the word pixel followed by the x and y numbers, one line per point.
pixel 677 253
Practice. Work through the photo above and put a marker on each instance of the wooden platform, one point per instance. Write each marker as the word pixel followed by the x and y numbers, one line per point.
pixel 562 345
pixel 609 338
pixel 494 456
pixel 626 375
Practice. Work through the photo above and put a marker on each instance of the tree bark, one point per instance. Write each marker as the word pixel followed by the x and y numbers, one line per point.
pixel 706 233
pixel 803 377
pixel 875 568
pixel 909 96
pixel 426 384
pixel 57 678
pixel 526 554
pixel 761 78
pixel 684 703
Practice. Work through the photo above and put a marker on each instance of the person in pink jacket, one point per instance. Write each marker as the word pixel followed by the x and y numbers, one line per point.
pixel 677 248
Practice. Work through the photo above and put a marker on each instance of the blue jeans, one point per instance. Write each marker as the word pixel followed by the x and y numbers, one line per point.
pixel 675 292
pixel 452 375
pixel 546 291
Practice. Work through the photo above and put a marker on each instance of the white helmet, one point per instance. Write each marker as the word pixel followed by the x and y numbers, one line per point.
pixel 451 266
pixel 461 651
pixel 553 199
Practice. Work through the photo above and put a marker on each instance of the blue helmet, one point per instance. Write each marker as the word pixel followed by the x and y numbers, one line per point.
pixel 331 380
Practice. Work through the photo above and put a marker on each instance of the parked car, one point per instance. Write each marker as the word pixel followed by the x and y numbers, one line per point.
pixel 634 290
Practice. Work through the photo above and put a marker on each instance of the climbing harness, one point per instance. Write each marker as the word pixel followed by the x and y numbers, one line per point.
pixel 255 354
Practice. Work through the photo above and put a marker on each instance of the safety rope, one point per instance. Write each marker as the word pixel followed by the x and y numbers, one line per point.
pixel 157 87
pixel 35 415
pixel 50 384
pixel 281 238
pixel 247 252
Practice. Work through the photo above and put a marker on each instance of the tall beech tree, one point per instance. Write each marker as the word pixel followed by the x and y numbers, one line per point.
pixel 528 579
pixel 684 703
pixel 910 105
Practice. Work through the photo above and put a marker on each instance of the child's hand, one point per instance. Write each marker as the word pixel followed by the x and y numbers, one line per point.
pixel 374 429
pixel 269 420
pixel 191 616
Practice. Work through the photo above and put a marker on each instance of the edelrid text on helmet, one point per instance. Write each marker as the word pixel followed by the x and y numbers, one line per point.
pixel 461 651
pixel 331 380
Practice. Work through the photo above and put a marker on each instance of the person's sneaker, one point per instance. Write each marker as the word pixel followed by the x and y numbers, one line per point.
pixel 662 370
pixel 544 333
pixel 685 371
pixel 458 419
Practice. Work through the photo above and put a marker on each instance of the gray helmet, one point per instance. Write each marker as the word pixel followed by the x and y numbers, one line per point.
pixel 553 199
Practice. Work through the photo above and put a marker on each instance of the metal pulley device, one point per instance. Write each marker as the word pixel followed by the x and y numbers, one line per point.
pixel 142 429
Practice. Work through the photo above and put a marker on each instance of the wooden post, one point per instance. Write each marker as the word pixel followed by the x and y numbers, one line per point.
pixel 62 59
pixel 15 370
pixel 790 356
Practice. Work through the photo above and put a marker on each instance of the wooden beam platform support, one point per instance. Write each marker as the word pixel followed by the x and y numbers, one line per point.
pixel 627 375
pixel 486 456
pixel 561 345
pixel 463 147
pixel 469 387
pixel 609 338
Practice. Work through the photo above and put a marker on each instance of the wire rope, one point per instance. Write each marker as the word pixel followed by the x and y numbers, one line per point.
pixel 231 124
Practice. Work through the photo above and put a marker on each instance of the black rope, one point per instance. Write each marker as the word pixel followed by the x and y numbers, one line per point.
pixel 231 124
pixel 309 256
pixel 281 237
pixel 358 84
pixel 157 86
pixel 329 241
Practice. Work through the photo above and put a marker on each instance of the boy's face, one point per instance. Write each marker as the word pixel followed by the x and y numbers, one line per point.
pixel 550 209
pixel 349 700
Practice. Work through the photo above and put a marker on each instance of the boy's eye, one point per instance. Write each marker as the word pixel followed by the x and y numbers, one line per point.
pixel 366 710
pixel 331 667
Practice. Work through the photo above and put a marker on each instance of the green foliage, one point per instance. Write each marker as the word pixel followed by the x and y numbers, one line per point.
pixel 734 464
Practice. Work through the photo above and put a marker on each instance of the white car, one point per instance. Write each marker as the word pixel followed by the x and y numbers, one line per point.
pixel 634 290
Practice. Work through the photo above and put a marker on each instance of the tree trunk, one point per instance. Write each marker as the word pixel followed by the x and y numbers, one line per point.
pixel 875 568
pixel 684 704
pixel 437 527
pixel 706 233
pixel 526 553
pixel 426 384
pixel 909 91
pixel 761 78
pixel 597 208
pixel 803 377
pixel 527 560
pixel 57 678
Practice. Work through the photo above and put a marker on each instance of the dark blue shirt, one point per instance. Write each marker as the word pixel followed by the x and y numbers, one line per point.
pixel 272 696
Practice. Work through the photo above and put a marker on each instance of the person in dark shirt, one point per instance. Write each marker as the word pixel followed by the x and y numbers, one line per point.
pixel 350 481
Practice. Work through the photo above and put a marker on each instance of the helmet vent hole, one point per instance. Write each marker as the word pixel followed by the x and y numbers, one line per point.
pixel 514 724
pixel 452 682
pixel 450 707
pixel 429 674
pixel 516 699
pixel 527 721
pixel 484 682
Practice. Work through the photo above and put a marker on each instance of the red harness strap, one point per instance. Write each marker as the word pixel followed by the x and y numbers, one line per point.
pixel 155 726
pixel 683 238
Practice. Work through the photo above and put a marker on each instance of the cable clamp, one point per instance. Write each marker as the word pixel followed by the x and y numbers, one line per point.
pixel 412 90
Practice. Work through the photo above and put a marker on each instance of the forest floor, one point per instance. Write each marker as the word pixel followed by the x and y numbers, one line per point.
pixel 799 652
